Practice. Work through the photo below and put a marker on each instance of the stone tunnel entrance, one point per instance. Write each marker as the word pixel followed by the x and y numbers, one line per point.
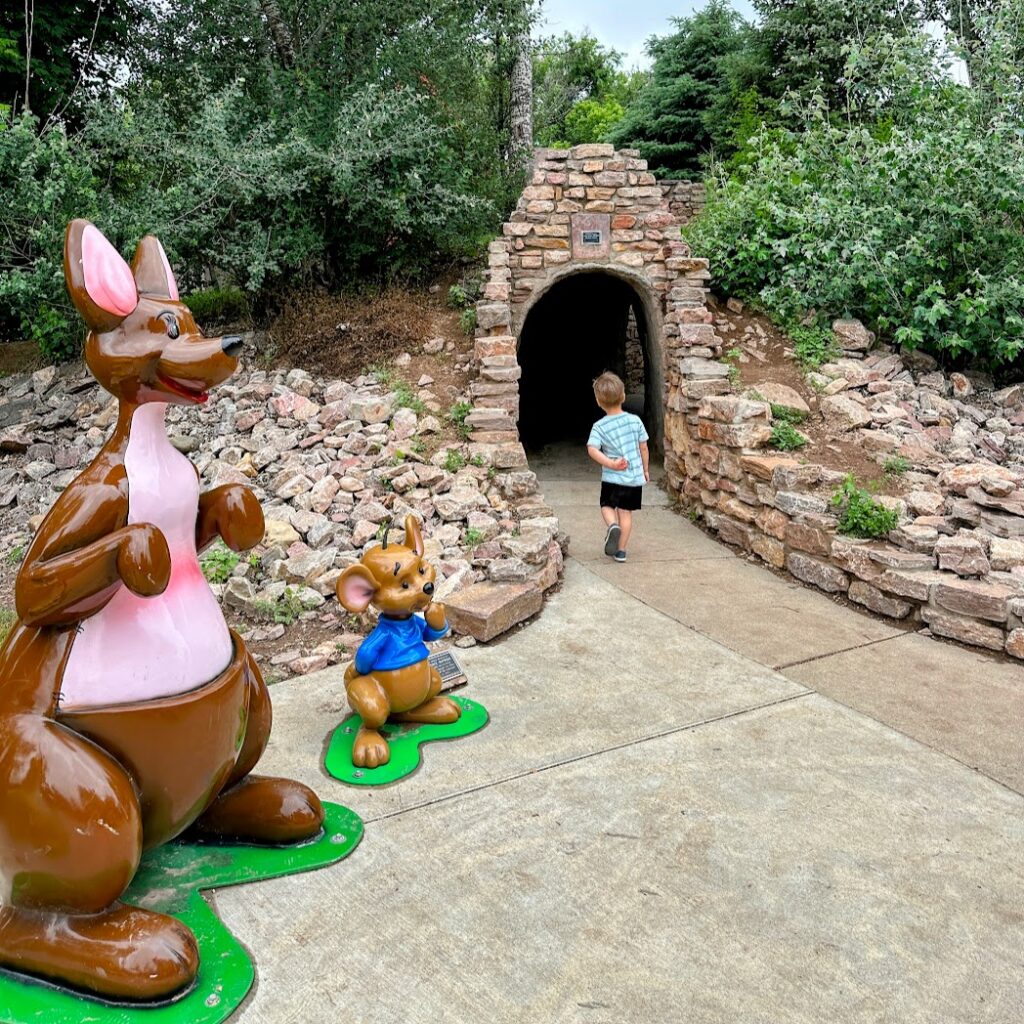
pixel 582 325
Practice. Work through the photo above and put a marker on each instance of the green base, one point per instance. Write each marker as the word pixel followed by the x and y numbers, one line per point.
pixel 403 739
pixel 169 880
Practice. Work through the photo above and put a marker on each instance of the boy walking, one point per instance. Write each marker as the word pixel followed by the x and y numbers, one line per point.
pixel 618 443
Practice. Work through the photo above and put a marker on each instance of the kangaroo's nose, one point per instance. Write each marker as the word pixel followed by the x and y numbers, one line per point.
pixel 428 588
pixel 231 345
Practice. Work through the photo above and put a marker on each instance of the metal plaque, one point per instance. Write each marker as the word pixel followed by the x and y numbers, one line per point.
pixel 448 668
pixel 591 238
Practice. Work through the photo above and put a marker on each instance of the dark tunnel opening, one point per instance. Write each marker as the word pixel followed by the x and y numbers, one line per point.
pixel 585 324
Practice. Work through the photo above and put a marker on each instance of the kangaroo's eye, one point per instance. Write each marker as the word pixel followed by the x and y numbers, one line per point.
pixel 405 584
pixel 423 571
pixel 172 324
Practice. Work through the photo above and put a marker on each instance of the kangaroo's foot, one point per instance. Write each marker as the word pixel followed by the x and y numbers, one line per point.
pixel 121 953
pixel 436 711
pixel 370 749
pixel 263 810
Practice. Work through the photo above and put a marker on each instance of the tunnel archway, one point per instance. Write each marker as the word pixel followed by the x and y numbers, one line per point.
pixel 583 323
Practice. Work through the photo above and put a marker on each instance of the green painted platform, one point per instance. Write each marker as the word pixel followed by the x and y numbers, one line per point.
pixel 404 739
pixel 170 879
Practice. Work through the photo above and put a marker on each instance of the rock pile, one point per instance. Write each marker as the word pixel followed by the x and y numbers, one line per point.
pixel 955 560
pixel 334 464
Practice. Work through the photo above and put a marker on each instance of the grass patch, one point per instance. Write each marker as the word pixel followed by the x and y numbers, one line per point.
pixel 812 346
pixel 454 460
pixel 457 417
pixel 8 617
pixel 895 465
pixel 786 438
pixel 285 610
pixel 784 414
pixel 467 321
pixel 860 515
pixel 218 563
pixel 15 555
pixel 473 537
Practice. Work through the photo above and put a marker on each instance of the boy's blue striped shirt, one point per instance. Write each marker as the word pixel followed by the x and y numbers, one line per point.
pixel 617 436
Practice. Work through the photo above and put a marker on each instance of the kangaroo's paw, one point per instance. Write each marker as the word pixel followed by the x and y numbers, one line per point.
pixel 436 711
pixel 122 953
pixel 370 749
pixel 263 810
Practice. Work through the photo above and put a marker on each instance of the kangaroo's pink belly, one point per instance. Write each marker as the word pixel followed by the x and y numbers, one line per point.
pixel 139 648
pixel 142 648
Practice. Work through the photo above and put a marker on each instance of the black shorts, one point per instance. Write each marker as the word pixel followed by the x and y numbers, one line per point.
pixel 620 496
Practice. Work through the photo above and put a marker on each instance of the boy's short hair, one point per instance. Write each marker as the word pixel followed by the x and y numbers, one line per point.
pixel 609 390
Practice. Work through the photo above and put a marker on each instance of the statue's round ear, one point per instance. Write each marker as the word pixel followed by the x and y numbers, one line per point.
pixel 153 274
pixel 413 536
pixel 99 281
pixel 356 588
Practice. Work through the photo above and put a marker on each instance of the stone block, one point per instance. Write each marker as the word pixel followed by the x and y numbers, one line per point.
pixel 970 631
pixel 963 555
pixel 820 574
pixel 973 597
pixel 769 550
pixel 873 598
pixel 486 610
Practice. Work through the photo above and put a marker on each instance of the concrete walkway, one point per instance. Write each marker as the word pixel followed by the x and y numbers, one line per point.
pixel 705 795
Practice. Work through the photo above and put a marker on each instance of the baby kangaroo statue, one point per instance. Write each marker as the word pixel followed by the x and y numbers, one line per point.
pixel 390 677
pixel 129 711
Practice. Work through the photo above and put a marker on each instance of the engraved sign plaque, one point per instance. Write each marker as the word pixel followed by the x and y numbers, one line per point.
pixel 591 236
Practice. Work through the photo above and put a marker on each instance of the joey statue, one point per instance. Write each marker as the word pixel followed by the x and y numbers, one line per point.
pixel 129 711
pixel 391 678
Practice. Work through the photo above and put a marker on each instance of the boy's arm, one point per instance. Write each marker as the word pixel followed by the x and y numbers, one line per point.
pixel 602 460
pixel 645 459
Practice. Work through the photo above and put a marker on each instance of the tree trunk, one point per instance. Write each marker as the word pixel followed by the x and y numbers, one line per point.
pixel 521 101
pixel 283 42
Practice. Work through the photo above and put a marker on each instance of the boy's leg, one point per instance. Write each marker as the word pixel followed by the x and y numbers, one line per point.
pixel 626 526
pixel 608 515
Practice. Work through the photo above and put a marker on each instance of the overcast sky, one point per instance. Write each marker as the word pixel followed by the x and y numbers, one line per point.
pixel 624 26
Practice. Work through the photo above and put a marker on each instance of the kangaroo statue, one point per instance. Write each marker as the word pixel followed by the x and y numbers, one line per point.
pixel 129 711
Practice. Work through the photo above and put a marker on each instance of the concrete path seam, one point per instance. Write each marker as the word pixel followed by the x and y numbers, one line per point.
pixel 842 650
pixel 688 727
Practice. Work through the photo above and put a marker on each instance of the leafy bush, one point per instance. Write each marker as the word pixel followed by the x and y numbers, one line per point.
pixel 467 321
pixel 907 216
pixel 217 305
pixel 457 297
pixel 861 515
pixel 786 438
pixel 895 465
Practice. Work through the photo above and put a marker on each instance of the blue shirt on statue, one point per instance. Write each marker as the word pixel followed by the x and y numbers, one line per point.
pixel 396 643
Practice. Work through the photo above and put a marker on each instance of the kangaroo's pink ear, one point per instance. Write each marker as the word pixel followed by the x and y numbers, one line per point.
pixel 356 588
pixel 152 272
pixel 99 281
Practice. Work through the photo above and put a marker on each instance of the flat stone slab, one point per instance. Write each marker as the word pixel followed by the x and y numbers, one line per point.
pixel 798 863
pixel 486 610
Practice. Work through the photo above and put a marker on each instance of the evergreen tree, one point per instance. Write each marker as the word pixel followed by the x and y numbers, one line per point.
pixel 669 120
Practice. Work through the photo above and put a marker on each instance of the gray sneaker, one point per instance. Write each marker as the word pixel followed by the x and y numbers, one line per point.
pixel 611 539
pixel 620 556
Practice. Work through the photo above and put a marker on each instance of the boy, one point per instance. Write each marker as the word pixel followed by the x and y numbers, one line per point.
pixel 618 442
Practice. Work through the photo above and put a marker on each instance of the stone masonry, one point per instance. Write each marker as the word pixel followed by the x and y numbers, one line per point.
pixel 594 209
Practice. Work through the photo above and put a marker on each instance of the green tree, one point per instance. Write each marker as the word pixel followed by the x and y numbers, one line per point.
pixel 57 54
pixel 670 121
pixel 804 43
pixel 580 91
